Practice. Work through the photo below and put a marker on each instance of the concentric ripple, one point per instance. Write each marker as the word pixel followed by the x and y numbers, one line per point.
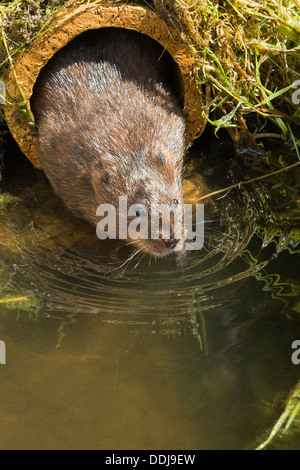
pixel 60 266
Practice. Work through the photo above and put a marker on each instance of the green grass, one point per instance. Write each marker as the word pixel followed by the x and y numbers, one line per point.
pixel 246 53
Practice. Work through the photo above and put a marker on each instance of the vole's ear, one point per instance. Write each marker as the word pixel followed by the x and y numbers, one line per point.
pixel 101 177
pixel 103 171
pixel 140 187
pixel 164 157
pixel 106 182
pixel 139 191
pixel 100 182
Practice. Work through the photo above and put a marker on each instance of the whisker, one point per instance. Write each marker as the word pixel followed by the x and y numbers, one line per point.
pixel 127 263
pixel 210 221
pixel 132 256
pixel 123 246
pixel 139 261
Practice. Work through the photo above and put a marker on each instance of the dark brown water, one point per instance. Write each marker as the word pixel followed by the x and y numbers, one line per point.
pixel 183 353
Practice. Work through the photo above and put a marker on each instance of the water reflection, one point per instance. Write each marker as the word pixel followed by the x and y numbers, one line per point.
pixel 174 353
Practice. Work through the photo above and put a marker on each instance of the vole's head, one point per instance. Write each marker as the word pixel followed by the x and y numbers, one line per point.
pixel 153 209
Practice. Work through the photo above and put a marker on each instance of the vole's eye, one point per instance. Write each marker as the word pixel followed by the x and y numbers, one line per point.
pixel 175 203
pixel 140 212
pixel 161 158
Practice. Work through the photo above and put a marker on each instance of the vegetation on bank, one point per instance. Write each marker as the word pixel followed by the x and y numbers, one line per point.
pixel 247 54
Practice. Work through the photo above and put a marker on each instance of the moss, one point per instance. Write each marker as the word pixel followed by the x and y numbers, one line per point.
pixel 6 199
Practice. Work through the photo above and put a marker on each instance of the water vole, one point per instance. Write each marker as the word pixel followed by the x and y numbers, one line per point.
pixel 109 125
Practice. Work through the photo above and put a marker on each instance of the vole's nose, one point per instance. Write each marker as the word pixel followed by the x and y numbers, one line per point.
pixel 172 243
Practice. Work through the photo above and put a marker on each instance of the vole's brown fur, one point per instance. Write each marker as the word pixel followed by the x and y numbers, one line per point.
pixel 109 125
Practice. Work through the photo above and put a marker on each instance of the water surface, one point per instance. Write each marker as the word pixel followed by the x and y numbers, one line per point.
pixel 189 352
